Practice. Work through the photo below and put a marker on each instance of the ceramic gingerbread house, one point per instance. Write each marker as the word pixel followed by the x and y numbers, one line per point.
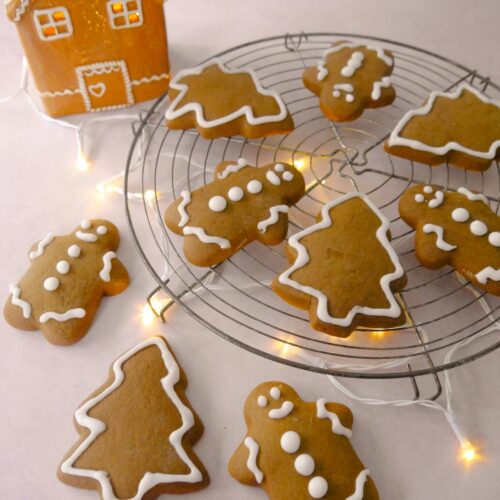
pixel 93 55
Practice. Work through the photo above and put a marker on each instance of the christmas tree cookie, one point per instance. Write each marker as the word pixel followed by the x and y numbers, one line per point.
pixel 242 204
pixel 68 276
pixel 460 127
pixel 457 229
pixel 222 102
pixel 344 270
pixel 350 78
pixel 137 431
pixel 299 450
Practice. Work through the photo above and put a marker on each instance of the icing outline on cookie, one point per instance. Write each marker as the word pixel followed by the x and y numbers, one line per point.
pixel 302 259
pixel 396 140
pixel 205 238
pixel 359 486
pixel 97 427
pixel 253 452
pixel 40 249
pixel 106 269
pixel 440 241
pixel 197 108
pixel 273 217
pixel 337 427
pixel 17 301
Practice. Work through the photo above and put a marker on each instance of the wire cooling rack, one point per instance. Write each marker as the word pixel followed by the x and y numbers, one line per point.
pixel 449 323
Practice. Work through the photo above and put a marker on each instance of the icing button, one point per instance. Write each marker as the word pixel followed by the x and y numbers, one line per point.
pixel 51 284
pixel 317 487
pixel 254 187
pixel 304 464
pixel 460 215
pixel 74 251
pixel 62 267
pixel 235 193
pixel 494 238
pixel 217 203
pixel 290 441
pixel 478 228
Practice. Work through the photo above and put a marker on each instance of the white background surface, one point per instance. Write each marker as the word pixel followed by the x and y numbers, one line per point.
pixel 411 452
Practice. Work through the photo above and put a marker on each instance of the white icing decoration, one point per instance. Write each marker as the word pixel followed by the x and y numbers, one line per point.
pixel 254 187
pixel 262 401
pixel 85 224
pixel 74 251
pixel 246 110
pixel 284 411
pixel 273 178
pixel 437 200
pixel 472 196
pixel 377 87
pixel 62 267
pixel 349 97
pixel 347 88
pixel 233 168
pixel 478 228
pixel 336 93
pixel 181 208
pixel 273 217
pixel 235 193
pixel 494 238
pixel 428 189
pixel 460 215
pixel 97 427
pixel 17 301
pixel 205 238
pixel 51 284
pixel 440 241
pixel 69 314
pixel 253 452
pixel 323 71
pixel 88 237
pixel 106 269
pixel 393 311
pixel 41 247
pixel 488 273
pixel 287 176
pixel 360 485
pixel 279 167
pixel 275 393
pixel 396 140
pixel 290 442
pixel 304 464
pixel 102 230
pixel 419 198
pixel 354 63
pixel 317 487
pixel 337 427
pixel 217 204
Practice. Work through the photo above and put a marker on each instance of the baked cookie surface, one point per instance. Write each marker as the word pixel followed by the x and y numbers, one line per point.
pixel 344 270
pixel 222 102
pixel 61 291
pixel 457 229
pixel 296 450
pixel 137 430
pixel 460 127
pixel 350 78
pixel 241 205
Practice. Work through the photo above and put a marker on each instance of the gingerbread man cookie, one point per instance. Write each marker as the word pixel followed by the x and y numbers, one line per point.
pixel 351 78
pixel 137 431
pixel 457 229
pixel 299 450
pixel 242 204
pixel 62 289
pixel 344 270
pixel 222 102
pixel 460 127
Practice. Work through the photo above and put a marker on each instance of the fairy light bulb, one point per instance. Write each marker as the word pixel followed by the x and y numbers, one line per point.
pixel 299 164
pixel 149 195
pixel 468 453
pixel 82 163
pixel 147 315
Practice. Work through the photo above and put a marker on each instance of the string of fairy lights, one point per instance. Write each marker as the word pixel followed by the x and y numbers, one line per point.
pixel 468 451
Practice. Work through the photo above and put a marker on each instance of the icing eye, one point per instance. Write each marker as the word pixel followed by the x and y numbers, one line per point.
pixel 428 189
pixel 254 187
pixel 478 228
pixel 51 284
pixel 336 93
pixel 102 230
pixel 419 198
pixel 460 215
pixel 287 176
pixel 217 203
pixel 273 178
pixel 494 239
pixel 290 442
pixel 275 393
pixel 262 401
pixel 85 224
pixel 349 97
pixel 235 193
pixel 62 267
pixel 279 167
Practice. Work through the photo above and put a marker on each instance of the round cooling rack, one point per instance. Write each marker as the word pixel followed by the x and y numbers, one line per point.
pixel 448 323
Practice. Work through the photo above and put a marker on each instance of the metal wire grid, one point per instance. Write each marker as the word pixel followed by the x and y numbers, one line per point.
pixel 234 299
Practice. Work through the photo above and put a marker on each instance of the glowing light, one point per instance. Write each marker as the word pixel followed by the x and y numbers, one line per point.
pixel 82 164
pixel 149 195
pixel 378 334
pixel 148 316
pixel 299 164
pixel 469 453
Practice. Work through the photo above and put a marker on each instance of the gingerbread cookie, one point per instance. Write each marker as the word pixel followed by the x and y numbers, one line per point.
pixel 242 204
pixel 222 102
pixel 457 229
pixel 351 78
pixel 344 270
pixel 295 449
pixel 137 431
pixel 68 275
pixel 460 127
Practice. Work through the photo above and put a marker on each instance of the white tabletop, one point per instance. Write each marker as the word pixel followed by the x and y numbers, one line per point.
pixel 411 452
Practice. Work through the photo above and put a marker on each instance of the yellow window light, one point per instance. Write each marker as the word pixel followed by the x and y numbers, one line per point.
pixel 49 31
pixel 59 16
pixel 117 7
pixel 134 18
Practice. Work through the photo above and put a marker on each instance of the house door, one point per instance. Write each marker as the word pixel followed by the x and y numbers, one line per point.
pixel 105 85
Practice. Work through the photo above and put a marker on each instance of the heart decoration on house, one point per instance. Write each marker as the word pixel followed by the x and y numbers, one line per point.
pixel 97 89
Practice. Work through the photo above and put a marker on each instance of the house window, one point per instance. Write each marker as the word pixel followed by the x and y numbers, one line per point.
pixel 123 14
pixel 53 24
